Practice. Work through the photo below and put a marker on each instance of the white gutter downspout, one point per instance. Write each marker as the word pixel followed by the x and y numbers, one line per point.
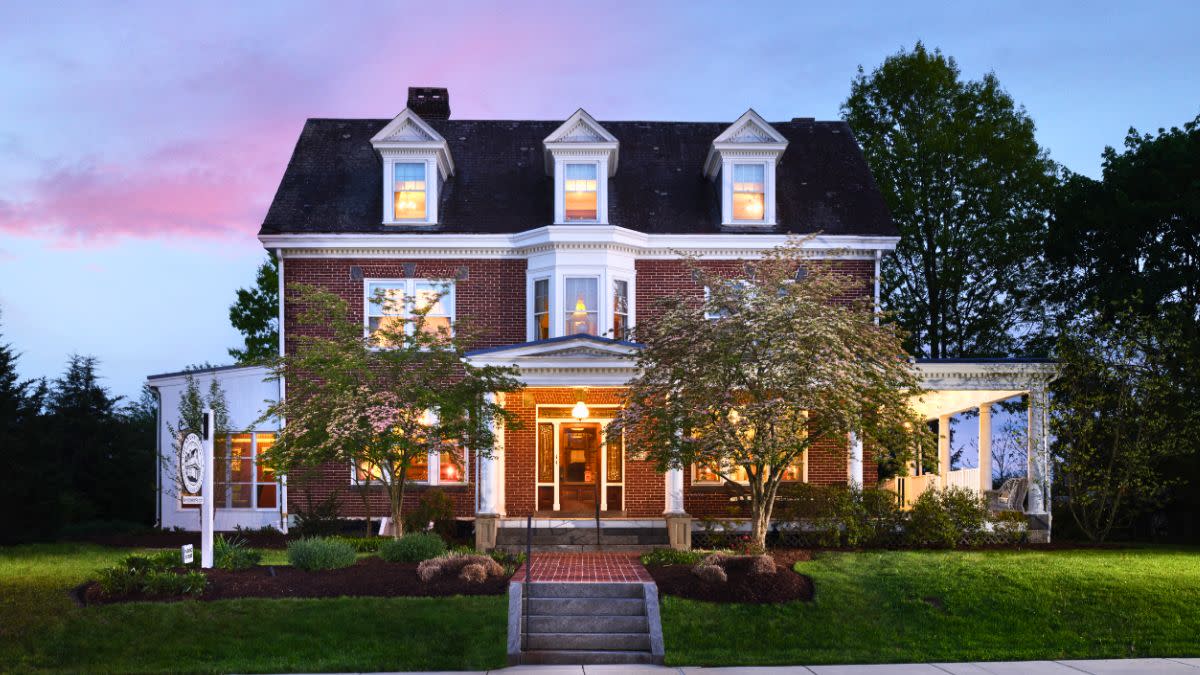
pixel 283 495
pixel 878 267
pixel 157 458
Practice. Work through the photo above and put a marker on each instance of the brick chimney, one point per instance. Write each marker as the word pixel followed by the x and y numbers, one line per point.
pixel 431 103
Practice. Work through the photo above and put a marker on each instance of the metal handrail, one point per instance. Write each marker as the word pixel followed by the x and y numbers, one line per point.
pixel 525 595
pixel 597 486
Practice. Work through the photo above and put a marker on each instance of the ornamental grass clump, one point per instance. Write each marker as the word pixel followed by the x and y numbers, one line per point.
pixel 155 574
pixel 320 554
pixel 233 553
pixel 471 568
pixel 412 548
pixel 715 568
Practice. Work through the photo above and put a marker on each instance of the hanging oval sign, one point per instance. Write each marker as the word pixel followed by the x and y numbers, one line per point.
pixel 191 463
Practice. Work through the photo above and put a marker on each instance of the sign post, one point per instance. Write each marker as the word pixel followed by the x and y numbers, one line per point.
pixel 206 491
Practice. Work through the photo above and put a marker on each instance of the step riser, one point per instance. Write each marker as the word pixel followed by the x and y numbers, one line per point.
pixel 551 590
pixel 586 658
pixel 587 624
pixel 585 606
pixel 589 641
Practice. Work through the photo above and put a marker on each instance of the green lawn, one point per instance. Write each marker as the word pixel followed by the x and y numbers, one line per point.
pixel 41 629
pixel 957 606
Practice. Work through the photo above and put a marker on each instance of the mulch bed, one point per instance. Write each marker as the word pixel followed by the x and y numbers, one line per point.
pixel 787 557
pixel 782 586
pixel 369 577
pixel 169 539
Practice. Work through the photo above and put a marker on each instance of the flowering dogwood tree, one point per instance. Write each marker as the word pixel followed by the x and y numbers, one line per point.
pixel 382 402
pixel 763 368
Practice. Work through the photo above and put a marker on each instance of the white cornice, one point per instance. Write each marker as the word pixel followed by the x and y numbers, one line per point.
pixel 565 237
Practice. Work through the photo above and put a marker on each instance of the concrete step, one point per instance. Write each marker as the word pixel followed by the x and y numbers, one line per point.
pixel 585 657
pixel 606 590
pixel 605 642
pixel 575 623
pixel 578 548
pixel 589 606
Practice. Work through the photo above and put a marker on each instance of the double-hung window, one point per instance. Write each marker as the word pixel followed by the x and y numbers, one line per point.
pixel 581 296
pixel 749 191
pixel 580 187
pixel 408 191
pixel 451 464
pixel 620 309
pixel 394 307
pixel 707 474
pixel 541 309
pixel 240 481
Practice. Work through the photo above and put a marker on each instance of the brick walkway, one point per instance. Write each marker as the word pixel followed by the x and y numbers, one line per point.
pixel 585 567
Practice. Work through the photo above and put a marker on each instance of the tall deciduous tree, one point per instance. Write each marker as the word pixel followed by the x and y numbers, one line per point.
pixel 382 403
pixel 968 187
pixel 763 368
pixel 255 315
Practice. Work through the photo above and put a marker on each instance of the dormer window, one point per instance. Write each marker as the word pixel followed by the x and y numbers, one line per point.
pixel 581 155
pixel 749 191
pixel 408 190
pixel 743 160
pixel 416 162
pixel 580 192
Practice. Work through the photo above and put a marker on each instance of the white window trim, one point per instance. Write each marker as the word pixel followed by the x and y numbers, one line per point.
pixel 561 160
pixel 722 481
pixel 727 164
pixel 532 329
pixel 557 276
pixel 409 292
pixel 179 508
pixel 566 305
pixel 431 188
pixel 599 180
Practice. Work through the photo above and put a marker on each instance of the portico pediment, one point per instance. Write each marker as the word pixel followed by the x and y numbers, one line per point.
pixel 575 360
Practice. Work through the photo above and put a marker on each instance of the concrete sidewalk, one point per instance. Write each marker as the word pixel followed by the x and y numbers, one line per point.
pixel 1093 667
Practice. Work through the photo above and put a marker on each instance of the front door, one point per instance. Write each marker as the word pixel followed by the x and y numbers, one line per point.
pixel 579 468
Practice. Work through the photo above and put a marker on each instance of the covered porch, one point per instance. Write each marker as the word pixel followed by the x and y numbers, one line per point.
pixel 955 386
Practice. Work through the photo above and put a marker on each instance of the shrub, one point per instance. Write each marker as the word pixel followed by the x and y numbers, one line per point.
pixel 712 574
pixel 364 544
pixel 660 557
pixel 509 561
pixel 967 511
pixel 167 584
pixel 412 548
pixel 473 573
pixel 118 580
pixel 1009 527
pixel 435 507
pixel 233 554
pixel 762 564
pixel 455 564
pixel 320 519
pixel 320 554
pixel 150 574
pixel 929 524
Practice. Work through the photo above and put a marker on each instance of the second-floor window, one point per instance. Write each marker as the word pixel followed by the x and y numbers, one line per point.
pixel 581 296
pixel 393 305
pixel 408 191
pixel 541 309
pixel 580 192
pixel 620 309
pixel 749 191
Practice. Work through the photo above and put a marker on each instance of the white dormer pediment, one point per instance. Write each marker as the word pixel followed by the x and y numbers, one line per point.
pixel 581 135
pixel 410 135
pixel 750 133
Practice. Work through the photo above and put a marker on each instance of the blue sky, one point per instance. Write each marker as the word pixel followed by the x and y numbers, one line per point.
pixel 140 143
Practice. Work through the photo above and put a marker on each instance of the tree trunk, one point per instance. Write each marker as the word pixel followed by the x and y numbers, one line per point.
pixel 397 495
pixel 760 521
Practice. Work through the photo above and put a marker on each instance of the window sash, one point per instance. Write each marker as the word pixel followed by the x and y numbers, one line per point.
pixel 749 192
pixel 541 309
pixel 452 462
pixel 580 192
pixel 409 191
pixel 239 480
pixel 707 475
pixel 581 297
pixel 399 300
pixel 620 309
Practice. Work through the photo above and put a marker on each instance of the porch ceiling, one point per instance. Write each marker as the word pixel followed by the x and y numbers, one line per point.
pixel 934 404
pixel 957 385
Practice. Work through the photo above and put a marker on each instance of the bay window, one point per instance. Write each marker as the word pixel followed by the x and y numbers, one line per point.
pixel 409 191
pixel 392 306
pixel 541 309
pixel 581 296
pixel 580 192
pixel 620 309
pixel 749 191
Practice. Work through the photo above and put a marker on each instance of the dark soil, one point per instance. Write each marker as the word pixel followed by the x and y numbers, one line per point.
pixel 369 577
pixel 787 557
pixel 782 586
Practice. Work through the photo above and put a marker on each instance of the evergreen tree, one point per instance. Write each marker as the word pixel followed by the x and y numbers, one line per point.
pixel 256 315
pixel 30 509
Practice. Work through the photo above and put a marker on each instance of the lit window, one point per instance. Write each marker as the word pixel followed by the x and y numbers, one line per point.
pixel 749 192
pixel 580 295
pixel 580 191
pixel 391 306
pixel 707 473
pixel 239 480
pixel 620 310
pixel 451 467
pixel 367 472
pixel 408 190
pixel 541 309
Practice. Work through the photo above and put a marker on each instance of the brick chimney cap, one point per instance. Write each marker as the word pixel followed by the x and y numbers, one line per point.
pixel 431 103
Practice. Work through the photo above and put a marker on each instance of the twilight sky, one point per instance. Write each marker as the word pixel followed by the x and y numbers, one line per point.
pixel 140 143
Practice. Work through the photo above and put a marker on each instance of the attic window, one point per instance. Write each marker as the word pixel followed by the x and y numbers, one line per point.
pixel 749 191
pixel 580 192
pixel 408 190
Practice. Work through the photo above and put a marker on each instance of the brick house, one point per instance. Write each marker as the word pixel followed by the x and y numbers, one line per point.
pixel 553 238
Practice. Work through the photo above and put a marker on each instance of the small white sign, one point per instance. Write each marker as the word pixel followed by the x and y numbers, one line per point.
pixel 186 551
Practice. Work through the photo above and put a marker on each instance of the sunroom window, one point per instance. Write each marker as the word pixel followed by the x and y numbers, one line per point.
pixel 408 191
pixel 749 191
pixel 580 192
pixel 581 296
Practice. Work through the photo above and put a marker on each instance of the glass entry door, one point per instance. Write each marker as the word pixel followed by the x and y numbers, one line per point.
pixel 579 468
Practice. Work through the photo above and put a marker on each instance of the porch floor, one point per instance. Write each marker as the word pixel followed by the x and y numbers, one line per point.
pixel 584 568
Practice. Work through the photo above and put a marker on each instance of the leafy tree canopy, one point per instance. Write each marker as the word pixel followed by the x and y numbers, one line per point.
pixel 255 315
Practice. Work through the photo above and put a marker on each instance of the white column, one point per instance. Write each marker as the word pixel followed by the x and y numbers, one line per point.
pixel 856 460
pixel 489 477
pixel 206 489
pixel 1038 462
pixel 985 447
pixel 674 486
pixel 943 451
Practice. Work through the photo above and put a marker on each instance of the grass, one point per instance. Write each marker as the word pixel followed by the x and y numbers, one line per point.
pixel 956 606
pixel 41 629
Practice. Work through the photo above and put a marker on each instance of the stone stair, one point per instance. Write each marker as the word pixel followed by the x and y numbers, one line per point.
pixel 584 623
pixel 583 538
